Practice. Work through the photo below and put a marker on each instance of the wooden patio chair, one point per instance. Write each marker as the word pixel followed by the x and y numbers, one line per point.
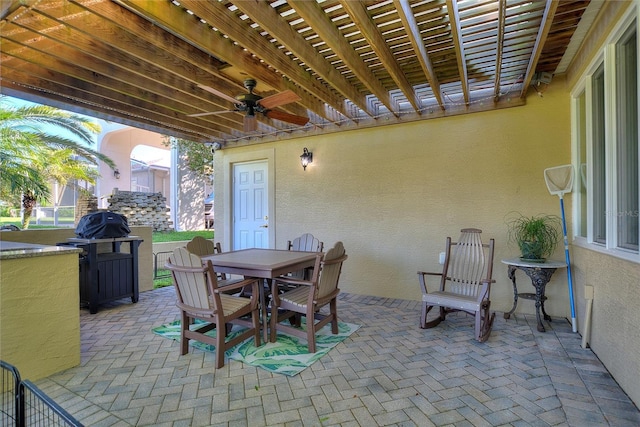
pixel 199 297
pixel 465 283
pixel 202 247
pixel 305 243
pixel 308 297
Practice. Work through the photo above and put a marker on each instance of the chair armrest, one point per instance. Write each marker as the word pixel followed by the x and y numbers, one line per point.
pixel 423 282
pixel 291 281
pixel 485 290
pixel 237 285
pixel 285 281
pixel 429 273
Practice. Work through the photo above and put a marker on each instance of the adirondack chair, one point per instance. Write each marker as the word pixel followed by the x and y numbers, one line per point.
pixel 305 243
pixel 199 297
pixel 308 297
pixel 465 283
pixel 201 247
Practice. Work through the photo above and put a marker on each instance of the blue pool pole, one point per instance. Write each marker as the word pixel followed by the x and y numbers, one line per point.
pixel 574 325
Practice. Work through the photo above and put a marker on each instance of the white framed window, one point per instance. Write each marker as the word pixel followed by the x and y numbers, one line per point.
pixel 606 151
pixel 626 156
pixel 598 210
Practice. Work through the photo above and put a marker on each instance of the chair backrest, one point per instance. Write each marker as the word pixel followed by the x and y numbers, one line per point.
pixel 193 288
pixel 305 243
pixel 201 246
pixel 468 263
pixel 329 271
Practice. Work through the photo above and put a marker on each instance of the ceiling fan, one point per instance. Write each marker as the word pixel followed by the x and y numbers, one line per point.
pixel 251 103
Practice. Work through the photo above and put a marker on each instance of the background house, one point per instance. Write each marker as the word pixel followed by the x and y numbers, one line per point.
pixel 160 176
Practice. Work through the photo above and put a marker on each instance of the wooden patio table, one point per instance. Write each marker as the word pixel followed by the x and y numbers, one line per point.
pixel 263 264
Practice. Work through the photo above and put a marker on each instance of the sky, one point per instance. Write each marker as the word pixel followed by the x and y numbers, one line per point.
pixel 146 154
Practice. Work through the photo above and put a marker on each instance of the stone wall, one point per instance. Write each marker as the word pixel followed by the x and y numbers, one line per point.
pixel 86 203
pixel 142 209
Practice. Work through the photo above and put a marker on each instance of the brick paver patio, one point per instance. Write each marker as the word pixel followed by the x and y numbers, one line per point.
pixel 388 373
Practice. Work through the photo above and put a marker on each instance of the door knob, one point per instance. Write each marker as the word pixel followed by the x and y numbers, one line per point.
pixel 264 226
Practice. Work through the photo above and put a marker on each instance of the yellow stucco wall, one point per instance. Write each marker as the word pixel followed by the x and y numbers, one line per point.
pixel 615 324
pixel 39 316
pixel 615 334
pixel 394 193
pixel 39 310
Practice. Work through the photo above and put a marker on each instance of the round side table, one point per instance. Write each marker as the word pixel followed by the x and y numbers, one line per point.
pixel 540 273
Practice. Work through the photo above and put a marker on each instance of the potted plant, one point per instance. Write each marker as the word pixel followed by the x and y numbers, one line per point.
pixel 536 236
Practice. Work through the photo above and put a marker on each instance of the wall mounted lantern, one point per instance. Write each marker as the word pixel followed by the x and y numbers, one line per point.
pixel 116 173
pixel 306 158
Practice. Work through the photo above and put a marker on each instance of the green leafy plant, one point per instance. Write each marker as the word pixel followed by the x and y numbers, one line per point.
pixel 198 156
pixel 536 236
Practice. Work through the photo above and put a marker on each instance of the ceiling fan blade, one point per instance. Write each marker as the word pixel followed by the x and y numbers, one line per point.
pixel 218 93
pixel 278 99
pixel 210 113
pixel 250 123
pixel 286 117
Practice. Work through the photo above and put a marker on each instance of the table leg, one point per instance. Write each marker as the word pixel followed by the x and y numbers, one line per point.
pixel 538 304
pixel 512 275
pixel 263 308
pixel 539 278
pixel 545 315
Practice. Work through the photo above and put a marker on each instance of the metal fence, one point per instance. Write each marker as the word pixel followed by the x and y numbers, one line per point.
pixel 10 398
pixel 23 404
pixel 159 258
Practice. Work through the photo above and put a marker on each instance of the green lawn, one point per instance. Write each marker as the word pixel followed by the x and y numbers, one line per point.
pixel 176 236
pixel 161 282
pixel 5 220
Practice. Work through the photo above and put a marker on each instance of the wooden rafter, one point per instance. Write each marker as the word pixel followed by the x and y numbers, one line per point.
pixel 219 16
pixel 413 33
pixel 360 16
pixel 62 42
pixel 200 35
pixel 547 20
pixel 310 11
pixel 269 19
pixel 456 35
pixel 139 43
pixel 502 12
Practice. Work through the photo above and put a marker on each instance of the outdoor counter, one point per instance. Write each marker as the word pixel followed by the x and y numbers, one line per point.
pixel 39 308
pixel 13 250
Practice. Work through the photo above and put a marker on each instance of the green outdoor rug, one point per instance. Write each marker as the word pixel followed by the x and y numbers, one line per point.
pixel 288 355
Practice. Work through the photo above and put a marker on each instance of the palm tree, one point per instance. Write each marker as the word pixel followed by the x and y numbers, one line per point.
pixel 34 151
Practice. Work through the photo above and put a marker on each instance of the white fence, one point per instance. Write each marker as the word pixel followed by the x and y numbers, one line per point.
pixel 60 216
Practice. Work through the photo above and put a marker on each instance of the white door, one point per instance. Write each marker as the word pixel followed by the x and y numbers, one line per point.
pixel 250 205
